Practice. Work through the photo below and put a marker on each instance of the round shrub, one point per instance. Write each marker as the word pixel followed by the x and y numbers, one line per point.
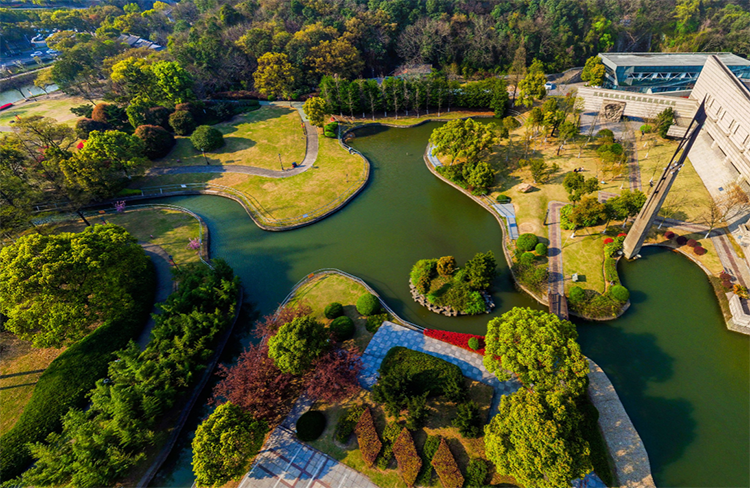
pixel 310 425
pixel 182 122
pixel 206 138
pixel 527 242
pixel 368 304
pixel 503 199
pixel 620 293
pixel 158 116
pixel 576 295
pixel 724 276
pixel 527 258
pixel 474 343
pixel 85 126
pixel 692 242
pixel 669 235
pixel 681 240
pixel 334 310
pixel 541 249
pixel 608 240
pixel 342 328
pixel 109 114
pixel 700 251
pixel 646 128
pixel 157 141
pixel 606 135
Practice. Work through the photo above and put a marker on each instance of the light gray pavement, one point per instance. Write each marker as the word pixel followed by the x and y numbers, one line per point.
pixel 634 169
pixel 508 212
pixel 390 335
pixel 287 462
pixel 554 250
pixel 708 163
pixel 311 155
pixel 164 286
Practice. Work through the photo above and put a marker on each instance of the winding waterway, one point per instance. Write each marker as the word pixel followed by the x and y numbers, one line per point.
pixel 683 378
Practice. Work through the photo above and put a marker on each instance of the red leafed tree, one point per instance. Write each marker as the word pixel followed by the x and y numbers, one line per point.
pixel 257 386
pixel 269 325
pixel 334 377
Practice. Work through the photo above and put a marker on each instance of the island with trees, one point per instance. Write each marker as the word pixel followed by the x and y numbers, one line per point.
pixel 444 288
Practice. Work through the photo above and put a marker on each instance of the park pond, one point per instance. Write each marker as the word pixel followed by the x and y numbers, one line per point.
pixel 682 376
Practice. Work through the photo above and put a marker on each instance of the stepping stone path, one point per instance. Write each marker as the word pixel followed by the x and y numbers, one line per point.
pixel 390 335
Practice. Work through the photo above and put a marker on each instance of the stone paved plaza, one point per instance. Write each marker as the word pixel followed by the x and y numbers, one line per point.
pixel 390 335
pixel 287 462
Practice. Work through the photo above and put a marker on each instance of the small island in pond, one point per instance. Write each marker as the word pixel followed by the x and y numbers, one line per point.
pixel 444 288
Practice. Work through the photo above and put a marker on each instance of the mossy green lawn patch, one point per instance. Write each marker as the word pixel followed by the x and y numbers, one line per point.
pixel 55 106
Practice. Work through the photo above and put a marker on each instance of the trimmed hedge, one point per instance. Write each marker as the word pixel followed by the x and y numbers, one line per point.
pixel 368 304
pixel 541 249
pixel 367 438
pixel 610 270
pixel 182 122
pixel 343 328
pixel 468 421
pixel 68 380
pixel 681 240
pixel 669 235
pixel 409 462
pixel 310 425
pixel 446 467
pixel 429 374
pixel 346 424
pixel 157 141
pixel 85 126
pixel 700 251
pixel 527 242
pixel 474 344
pixel 459 339
pixel 692 242
pixel 620 293
pixel 334 310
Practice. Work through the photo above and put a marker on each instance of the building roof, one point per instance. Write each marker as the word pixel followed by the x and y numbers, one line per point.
pixel 135 41
pixel 671 59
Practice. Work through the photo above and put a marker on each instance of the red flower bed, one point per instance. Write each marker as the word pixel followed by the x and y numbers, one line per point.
pixel 456 338
pixel 6 106
pixel 621 235
pixel 80 145
pixel 608 240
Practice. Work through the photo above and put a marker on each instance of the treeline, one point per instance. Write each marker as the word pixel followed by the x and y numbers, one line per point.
pixel 417 95
pixel 99 445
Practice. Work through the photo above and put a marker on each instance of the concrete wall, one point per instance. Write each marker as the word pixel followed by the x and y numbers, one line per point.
pixel 728 110
pixel 639 104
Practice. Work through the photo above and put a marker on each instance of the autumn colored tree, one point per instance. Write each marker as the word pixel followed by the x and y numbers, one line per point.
pixel 593 72
pixel 225 445
pixel 335 376
pixel 316 109
pixel 539 348
pixel 336 57
pixel 275 76
pixel 270 324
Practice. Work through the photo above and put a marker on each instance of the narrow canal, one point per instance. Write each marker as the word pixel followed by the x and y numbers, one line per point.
pixel 684 379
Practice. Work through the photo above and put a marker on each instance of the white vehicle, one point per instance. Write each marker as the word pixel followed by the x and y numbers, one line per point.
pixel 550 86
pixel 51 51
pixel 36 54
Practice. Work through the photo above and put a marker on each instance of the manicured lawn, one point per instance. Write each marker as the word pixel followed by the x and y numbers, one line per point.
pixel 252 139
pixel 56 106
pixel 336 175
pixel 584 255
pixel 441 414
pixel 20 368
pixel 323 290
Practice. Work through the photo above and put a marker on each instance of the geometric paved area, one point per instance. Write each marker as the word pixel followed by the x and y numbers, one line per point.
pixel 287 462
pixel 390 335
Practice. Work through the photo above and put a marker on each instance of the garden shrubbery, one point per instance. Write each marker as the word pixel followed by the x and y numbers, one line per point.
pixel 375 321
pixel 446 467
pixel 613 248
pixel 576 295
pixel 476 473
pixel 347 422
pixel 310 425
pixel 367 437
pixel 699 250
pixel 527 242
pixel 425 373
pixel 334 310
pixel 157 141
pixel 409 462
pixel 206 138
pixel 610 270
pixel 342 328
pixel 368 304
pixel 468 421
pixel 85 126
pixel 182 122
pixel 620 293
pixel 681 240
pixel 669 235
pixel 541 249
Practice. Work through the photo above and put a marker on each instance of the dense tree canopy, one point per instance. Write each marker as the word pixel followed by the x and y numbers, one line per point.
pixel 539 348
pixel 55 288
pixel 298 344
pixel 463 139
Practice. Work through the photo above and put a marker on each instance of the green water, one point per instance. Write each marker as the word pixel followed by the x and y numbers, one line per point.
pixel 682 377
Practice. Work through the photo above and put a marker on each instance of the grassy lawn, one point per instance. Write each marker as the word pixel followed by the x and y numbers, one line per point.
pixel 584 255
pixel 252 139
pixel 56 106
pixel 20 368
pixel 710 260
pixel 171 229
pixel 441 414
pixel 336 175
pixel 323 290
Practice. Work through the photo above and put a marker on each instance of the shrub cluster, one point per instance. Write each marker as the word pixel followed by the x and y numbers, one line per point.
pixel 125 409
pixel 85 126
pixel 375 321
pixel 565 221
pixel 346 424
pixel 390 433
pixel 367 437
pixel 342 328
pixel 576 295
pixel 531 275
pixel 597 305
pixel 475 177
pixel 206 138
pixel 331 130
pixel 468 420
pixel 446 467
pixel 527 242
pixel 69 378
pixel 428 452
pixel 613 248
pixel 457 339
pixel 409 462
pixel 681 240
pixel 692 242
pixel 474 344
pixel 610 270
pixel 422 273
pixel 620 293
pixel 157 141
pixel 334 310
pixel 476 473
pixel 699 250
pixel 669 235
pixel 182 122
pixel 541 249
pixel 368 304
pixel 310 425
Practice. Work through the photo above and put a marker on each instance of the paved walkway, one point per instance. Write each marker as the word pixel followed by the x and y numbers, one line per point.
pixel 287 462
pixel 311 155
pixel 390 335
pixel 508 211
pixel 634 169
pixel 164 287
pixel 554 251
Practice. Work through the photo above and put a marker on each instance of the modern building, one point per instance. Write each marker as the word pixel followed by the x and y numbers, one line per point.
pixel 667 73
